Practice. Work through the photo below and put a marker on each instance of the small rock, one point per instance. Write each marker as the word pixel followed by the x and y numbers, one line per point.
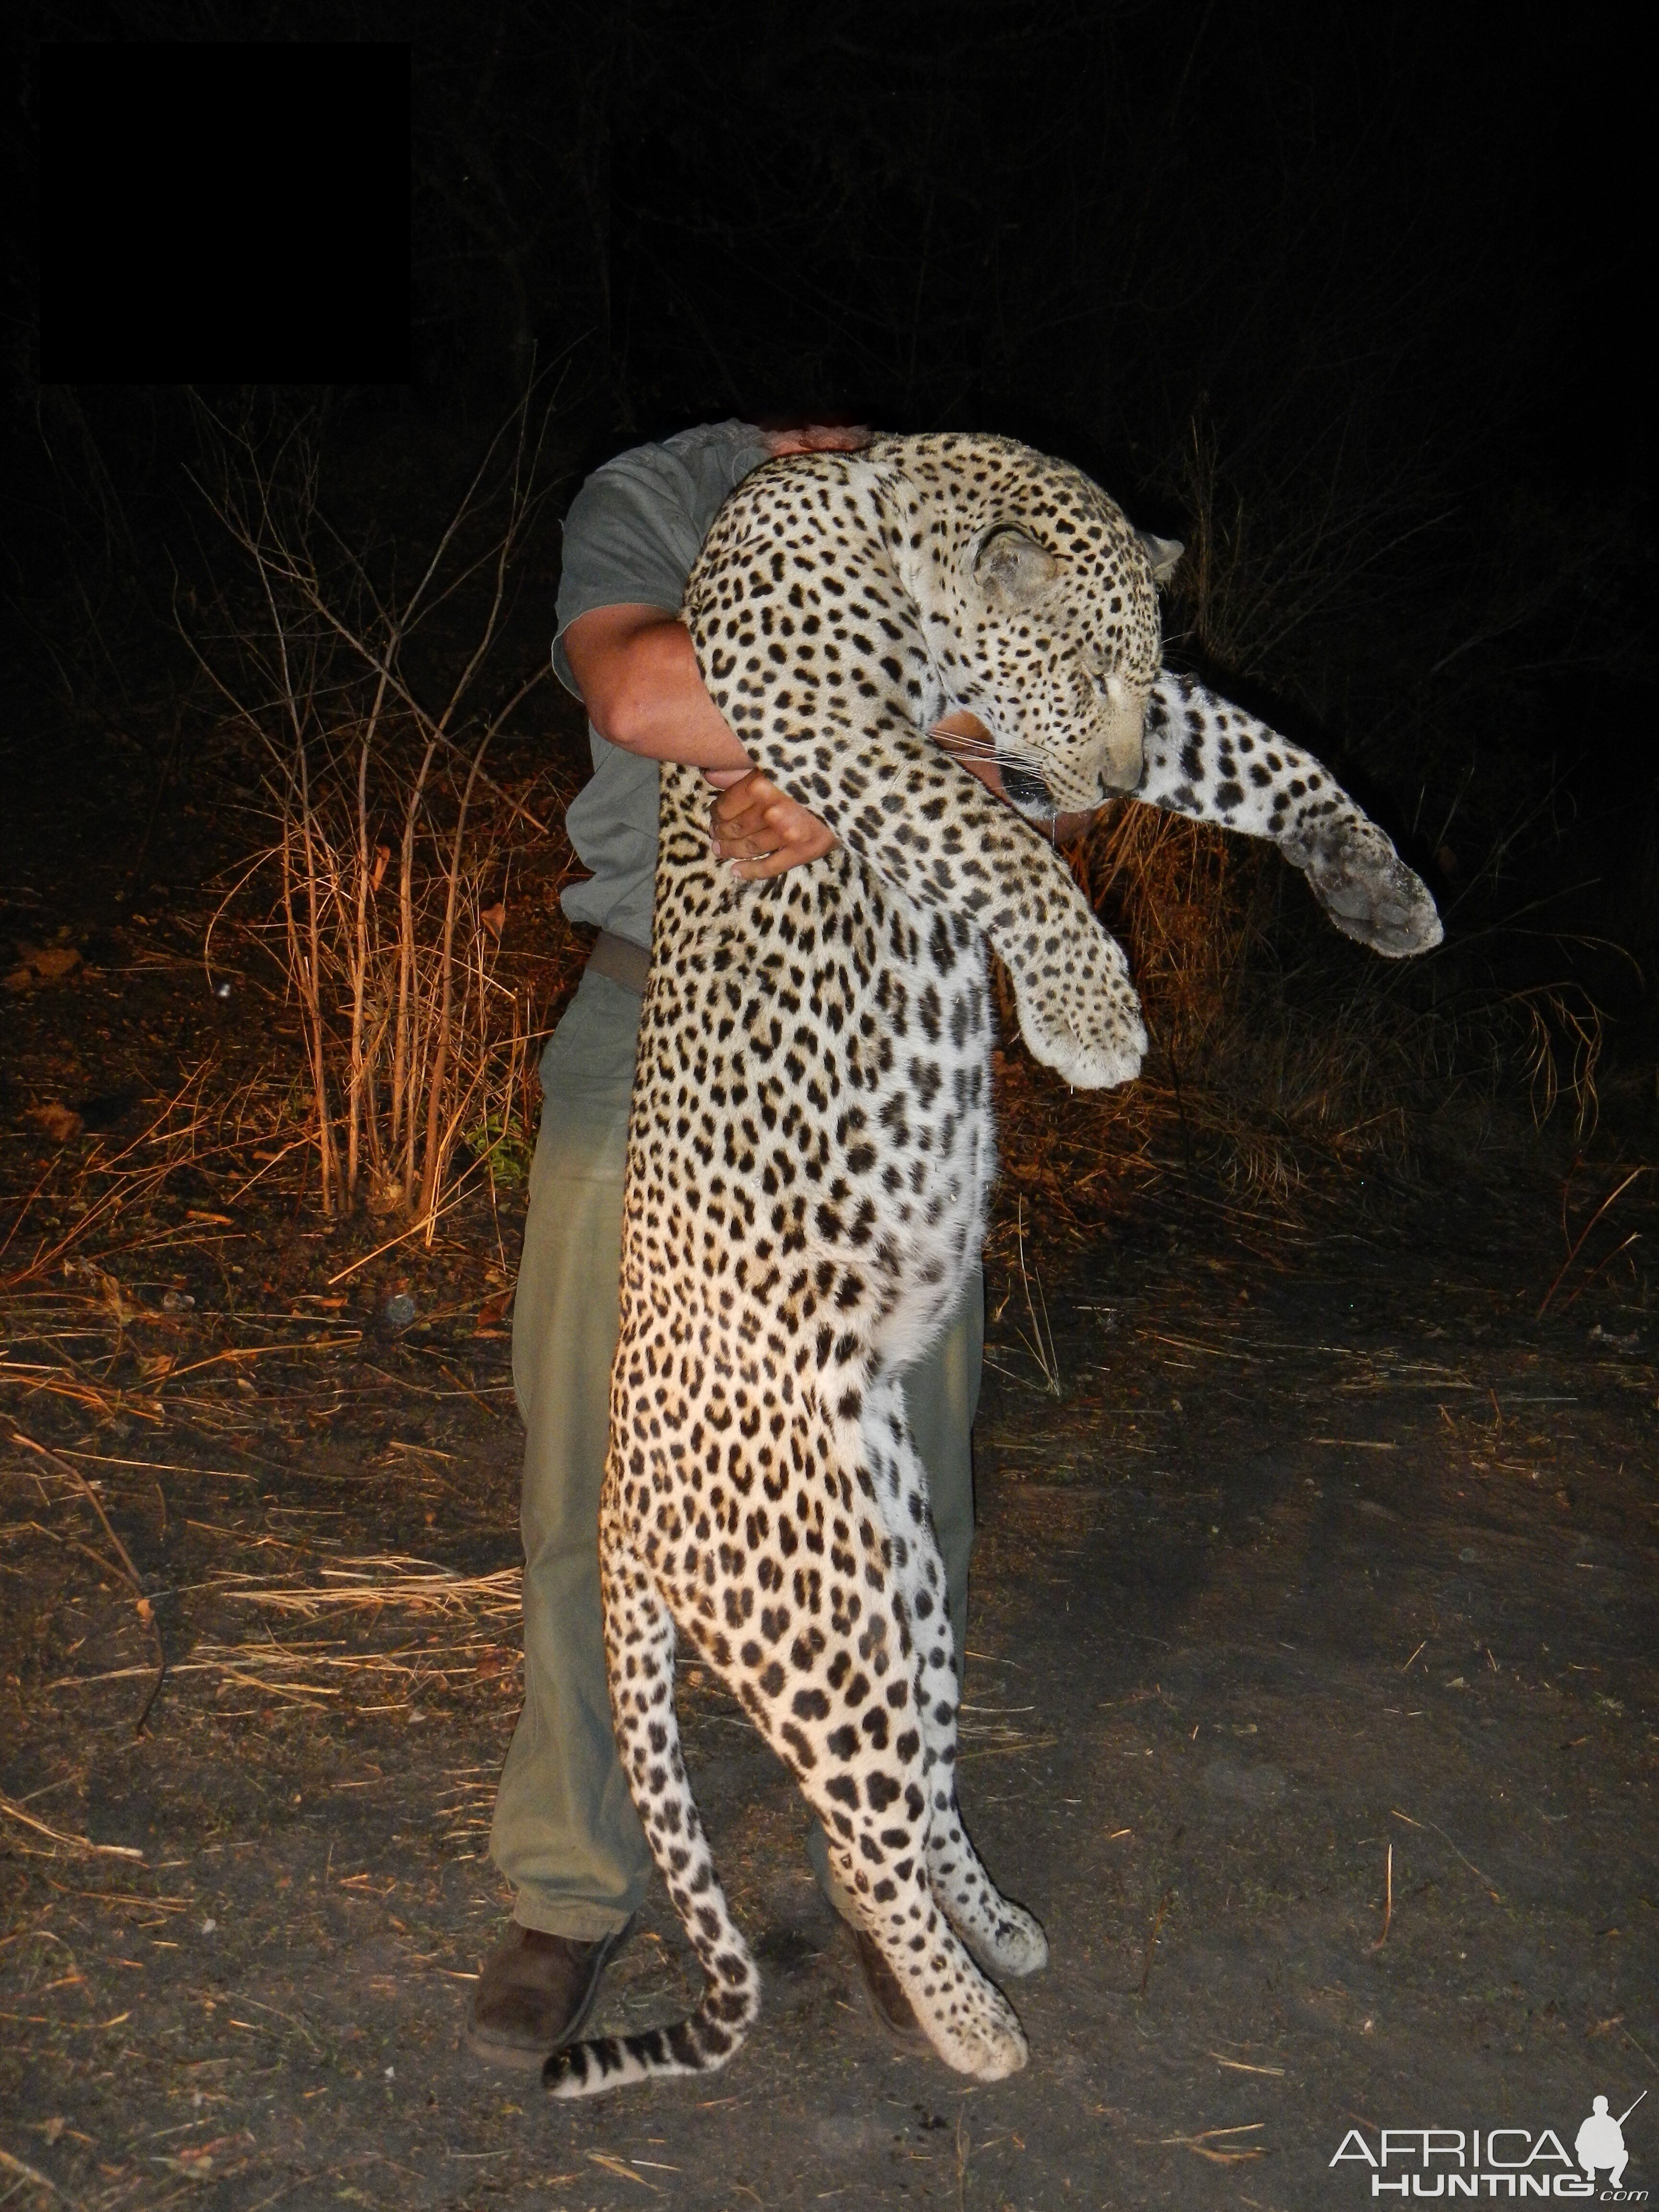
pixel 1245 1784
pixel 1600 1335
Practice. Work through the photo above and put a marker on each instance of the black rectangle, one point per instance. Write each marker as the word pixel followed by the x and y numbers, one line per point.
pixel 225 213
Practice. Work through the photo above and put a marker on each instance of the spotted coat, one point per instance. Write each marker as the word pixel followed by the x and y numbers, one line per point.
pixel 811 1151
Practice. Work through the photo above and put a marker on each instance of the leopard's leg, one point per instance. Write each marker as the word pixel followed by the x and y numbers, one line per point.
pixel 638 1635
pixel 1003 1935
pixel 1209 760
pixel 820 1657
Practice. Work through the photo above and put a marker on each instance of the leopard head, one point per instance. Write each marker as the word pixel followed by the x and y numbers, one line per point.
pixel 1057 640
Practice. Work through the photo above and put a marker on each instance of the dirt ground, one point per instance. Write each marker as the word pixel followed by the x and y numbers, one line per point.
pixel 1310 1703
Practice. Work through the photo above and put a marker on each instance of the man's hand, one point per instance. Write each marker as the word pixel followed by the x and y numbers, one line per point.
pixel 765 831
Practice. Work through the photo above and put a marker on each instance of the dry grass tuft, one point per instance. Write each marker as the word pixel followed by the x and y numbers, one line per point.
pixel 386 865
pixel 384 1579
pixel 389 1592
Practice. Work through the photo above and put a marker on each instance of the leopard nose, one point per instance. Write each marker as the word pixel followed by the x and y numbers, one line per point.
pixel 1123 748
pixel 1123 768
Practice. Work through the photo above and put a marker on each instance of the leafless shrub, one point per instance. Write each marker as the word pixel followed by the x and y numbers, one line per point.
pixel 373 721
pixel 1275 545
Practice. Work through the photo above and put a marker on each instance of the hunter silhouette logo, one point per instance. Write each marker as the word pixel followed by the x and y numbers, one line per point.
pixel 1494 2162
pixel 1600 2141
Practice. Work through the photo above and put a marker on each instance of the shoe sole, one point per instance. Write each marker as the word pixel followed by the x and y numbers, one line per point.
pixel 496 2050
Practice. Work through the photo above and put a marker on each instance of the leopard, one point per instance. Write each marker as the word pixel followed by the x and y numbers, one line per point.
pixel 810 1147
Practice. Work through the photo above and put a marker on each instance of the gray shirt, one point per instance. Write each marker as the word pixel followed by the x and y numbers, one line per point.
pixel 632 534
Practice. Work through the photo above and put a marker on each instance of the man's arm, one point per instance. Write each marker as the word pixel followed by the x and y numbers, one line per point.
pixel 639 680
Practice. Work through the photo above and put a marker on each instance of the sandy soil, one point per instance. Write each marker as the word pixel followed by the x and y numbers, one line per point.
pixel 1310 1702
pixel 1329 1577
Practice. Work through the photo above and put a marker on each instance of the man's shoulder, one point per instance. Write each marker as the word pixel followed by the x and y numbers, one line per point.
pixel 694 468
pixel 638 523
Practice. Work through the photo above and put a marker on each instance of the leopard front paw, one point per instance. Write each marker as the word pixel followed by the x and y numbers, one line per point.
pixel 1084 1021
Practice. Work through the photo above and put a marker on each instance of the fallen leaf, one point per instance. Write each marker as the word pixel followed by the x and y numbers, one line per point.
pixel 386 1195
pixel 60 1122
pixel 55 962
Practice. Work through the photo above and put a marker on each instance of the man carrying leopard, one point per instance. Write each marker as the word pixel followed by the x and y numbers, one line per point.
pixel 842 607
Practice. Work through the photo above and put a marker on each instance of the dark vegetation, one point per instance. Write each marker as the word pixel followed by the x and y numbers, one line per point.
pixel 1303 291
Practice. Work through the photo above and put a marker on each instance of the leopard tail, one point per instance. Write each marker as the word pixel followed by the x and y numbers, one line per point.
pixel 638 1632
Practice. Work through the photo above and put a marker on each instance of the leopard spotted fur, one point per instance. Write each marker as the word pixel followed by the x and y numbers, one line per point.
pixel 810 1147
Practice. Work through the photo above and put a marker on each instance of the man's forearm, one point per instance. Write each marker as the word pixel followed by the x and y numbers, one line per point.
pixel 639 679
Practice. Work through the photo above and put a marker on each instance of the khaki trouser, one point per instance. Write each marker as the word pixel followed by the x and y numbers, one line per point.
pixel 565 1834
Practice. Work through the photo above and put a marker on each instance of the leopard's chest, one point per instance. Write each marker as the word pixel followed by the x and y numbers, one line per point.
pixel 814 1093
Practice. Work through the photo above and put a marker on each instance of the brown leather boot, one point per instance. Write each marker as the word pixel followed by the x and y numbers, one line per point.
pixel 533 1995
pixel 890 2007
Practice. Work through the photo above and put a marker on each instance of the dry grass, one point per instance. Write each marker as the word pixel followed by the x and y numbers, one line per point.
pixel 390 1596
pixel 108 1195
pixel 380 1580
pixel 386 865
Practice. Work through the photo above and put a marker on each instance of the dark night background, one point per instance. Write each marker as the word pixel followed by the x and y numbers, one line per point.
pixel 1348 299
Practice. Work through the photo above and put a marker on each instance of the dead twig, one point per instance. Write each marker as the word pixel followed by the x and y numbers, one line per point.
pixel 1163 1904
pixel 146 1611
pixel 1203 2143
pixel 72 1842
pixel 1388 1897
pixel 1484 1880
pixel 1041 1342
pixel 1578 1244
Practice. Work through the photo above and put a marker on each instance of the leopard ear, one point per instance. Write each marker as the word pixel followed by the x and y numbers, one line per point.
pixel 1163 553
pixel 1018 567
